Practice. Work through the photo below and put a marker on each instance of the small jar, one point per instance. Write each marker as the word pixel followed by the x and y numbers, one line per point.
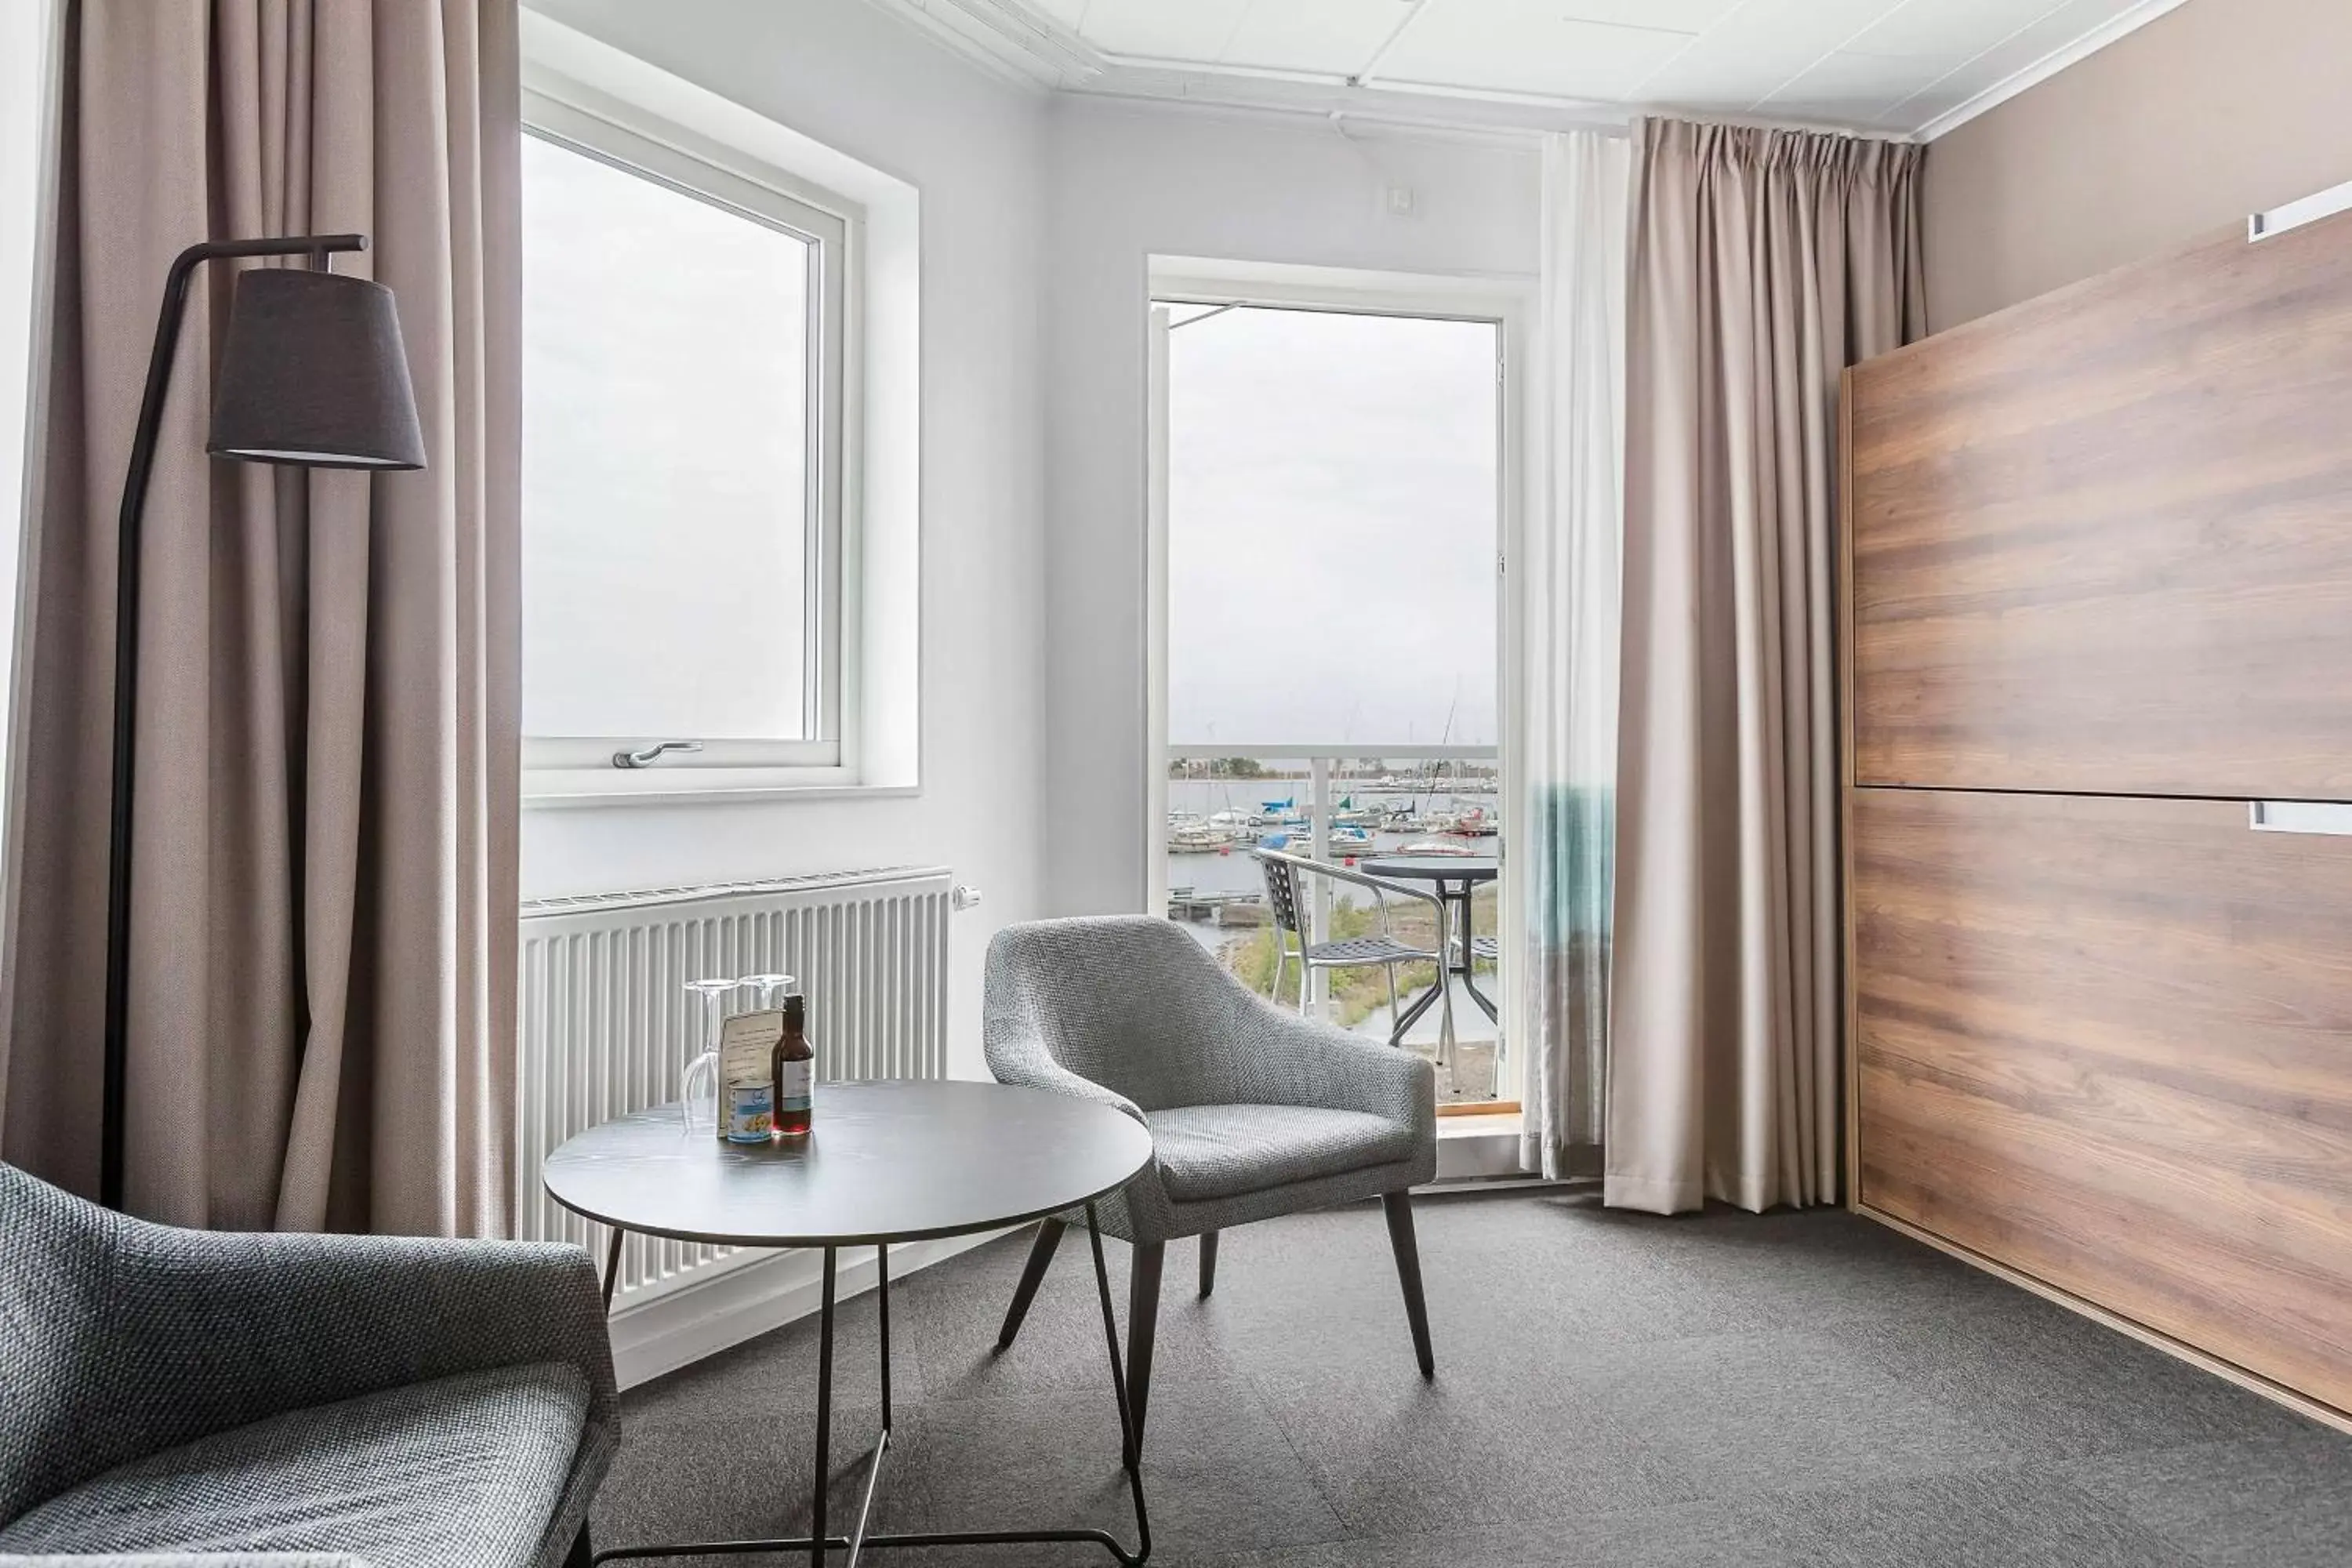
pixel 751 1111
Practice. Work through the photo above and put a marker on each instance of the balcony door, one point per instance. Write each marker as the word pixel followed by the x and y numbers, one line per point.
pixel 1329 478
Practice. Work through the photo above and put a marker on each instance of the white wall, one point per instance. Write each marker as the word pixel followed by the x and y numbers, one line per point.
pixel 1130 182
pixel 845 73
pixel 1038 218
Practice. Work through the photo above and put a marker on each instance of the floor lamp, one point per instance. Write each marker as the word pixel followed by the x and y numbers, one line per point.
pixel 312 373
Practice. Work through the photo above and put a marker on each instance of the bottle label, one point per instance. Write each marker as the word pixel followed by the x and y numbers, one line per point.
pixel 750 1113
pixel 794 1085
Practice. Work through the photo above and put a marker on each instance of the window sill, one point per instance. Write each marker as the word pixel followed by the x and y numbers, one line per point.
pixel 546 789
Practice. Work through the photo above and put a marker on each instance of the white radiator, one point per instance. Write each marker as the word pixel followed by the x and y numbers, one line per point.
pixel 607 1025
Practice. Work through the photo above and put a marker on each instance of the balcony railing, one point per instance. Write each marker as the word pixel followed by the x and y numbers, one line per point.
pixel 1337 803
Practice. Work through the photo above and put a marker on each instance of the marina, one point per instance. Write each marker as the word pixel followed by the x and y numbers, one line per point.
pixel 1216 886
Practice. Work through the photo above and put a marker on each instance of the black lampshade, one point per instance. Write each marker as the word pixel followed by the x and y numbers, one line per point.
pixel 313 374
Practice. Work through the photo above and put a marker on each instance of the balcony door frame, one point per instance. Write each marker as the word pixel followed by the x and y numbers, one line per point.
pixel 1506 300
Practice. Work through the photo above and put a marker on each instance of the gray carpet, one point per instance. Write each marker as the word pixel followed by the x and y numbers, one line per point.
pixel 1793 1389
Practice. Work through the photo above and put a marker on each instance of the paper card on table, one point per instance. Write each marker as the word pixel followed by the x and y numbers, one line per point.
pixel 745 1043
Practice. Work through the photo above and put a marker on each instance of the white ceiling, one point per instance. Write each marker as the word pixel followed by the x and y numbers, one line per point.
pixel 1899 66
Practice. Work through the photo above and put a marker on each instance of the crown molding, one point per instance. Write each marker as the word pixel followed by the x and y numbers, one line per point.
pixel 1299 95
pixel 1004 40
pixel 1015 44
pixel 2050 65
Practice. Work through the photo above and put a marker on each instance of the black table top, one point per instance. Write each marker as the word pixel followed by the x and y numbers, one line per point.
pixel 1432 868
pixel 887 1162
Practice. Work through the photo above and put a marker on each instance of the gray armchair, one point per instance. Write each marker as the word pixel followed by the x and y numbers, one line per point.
pixel 186 1399
pixel 1253 1113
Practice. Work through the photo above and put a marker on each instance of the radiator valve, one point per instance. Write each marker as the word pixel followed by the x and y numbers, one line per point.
pixel 963 897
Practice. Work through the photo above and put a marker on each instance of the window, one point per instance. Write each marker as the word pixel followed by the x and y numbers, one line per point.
pixel 1333 460
pixel 1333 481
pixel 684 451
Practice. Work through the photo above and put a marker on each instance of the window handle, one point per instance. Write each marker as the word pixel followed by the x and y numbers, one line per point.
pixel 653 754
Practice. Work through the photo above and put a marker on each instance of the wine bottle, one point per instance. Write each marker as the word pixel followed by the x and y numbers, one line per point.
pixel 795 1072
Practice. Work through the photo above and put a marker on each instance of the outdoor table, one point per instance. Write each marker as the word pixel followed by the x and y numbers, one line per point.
pixel 1454 879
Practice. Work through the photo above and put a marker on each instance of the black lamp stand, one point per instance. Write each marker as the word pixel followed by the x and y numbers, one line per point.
pixel 113 1102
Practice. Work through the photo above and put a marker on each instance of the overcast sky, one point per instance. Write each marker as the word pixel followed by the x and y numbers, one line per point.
pixel 664 556
pixel 1331 529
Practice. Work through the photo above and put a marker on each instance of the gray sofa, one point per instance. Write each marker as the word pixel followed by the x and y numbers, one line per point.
pixel 189 1399
pixel 1253 1112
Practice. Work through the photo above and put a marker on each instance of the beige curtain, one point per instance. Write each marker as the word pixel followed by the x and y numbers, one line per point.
pixel 322 956
pixel 1762 263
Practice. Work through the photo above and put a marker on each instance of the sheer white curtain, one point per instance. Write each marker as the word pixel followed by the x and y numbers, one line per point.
pixel 1566 707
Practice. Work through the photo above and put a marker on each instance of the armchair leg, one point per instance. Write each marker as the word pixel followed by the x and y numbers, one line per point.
pixel 1208 1263
pixel 1143 1323
pixel 1033 1274
pixel 1408 1261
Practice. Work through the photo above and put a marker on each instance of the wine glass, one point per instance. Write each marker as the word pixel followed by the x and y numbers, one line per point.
pixel 771 989
pixel 698 1099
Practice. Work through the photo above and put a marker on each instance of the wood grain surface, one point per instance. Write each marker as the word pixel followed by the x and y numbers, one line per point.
pixel 2108 1042
pixel 2103 540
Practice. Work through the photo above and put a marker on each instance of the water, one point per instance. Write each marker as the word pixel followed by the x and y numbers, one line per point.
pixel 1233 871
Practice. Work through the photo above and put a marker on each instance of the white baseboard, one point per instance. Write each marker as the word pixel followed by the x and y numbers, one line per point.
pixel 743 1302
pixel 1478 1154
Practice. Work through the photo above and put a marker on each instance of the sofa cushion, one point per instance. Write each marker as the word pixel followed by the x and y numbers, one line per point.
pixel 460 1472
pixel 1209 1152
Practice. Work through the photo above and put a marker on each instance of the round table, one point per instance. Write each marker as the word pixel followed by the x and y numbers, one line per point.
pixel 1456 879
pixel 886 1161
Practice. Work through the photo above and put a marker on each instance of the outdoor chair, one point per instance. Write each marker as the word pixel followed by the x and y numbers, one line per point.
pixel 1253 1113
pixel 1286 901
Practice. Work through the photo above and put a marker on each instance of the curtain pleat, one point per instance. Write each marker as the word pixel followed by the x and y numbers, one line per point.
pixel 324 827
pixel 1763 262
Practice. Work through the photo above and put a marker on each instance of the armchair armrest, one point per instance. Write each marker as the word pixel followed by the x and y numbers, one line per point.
pixel 1027 1063
pixel 1287 1060
pixel 301 1320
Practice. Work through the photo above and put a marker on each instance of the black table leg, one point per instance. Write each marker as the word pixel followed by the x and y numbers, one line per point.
pixel 1412 1012
pixel 1469 956
pixel 1132 1450
pixel 611 1266
pixel 882 1300
pixel 824 1417
pixel 817 1543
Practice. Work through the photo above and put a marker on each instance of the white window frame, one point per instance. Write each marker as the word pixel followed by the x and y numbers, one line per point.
pixel 558 769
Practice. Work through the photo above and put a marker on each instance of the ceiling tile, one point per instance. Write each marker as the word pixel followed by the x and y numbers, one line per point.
pixel 1954 31
pixel 2024 49
pixel 1673 16
pixel 1856 89
pixel 1867 64
pixel 1194 30
pixel 1758 48
pixel 1526 46
pixel 1335 35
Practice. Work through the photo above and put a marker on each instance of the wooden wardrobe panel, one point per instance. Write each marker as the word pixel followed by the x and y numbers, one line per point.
pixel 2108 1043
pixel 2103 540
